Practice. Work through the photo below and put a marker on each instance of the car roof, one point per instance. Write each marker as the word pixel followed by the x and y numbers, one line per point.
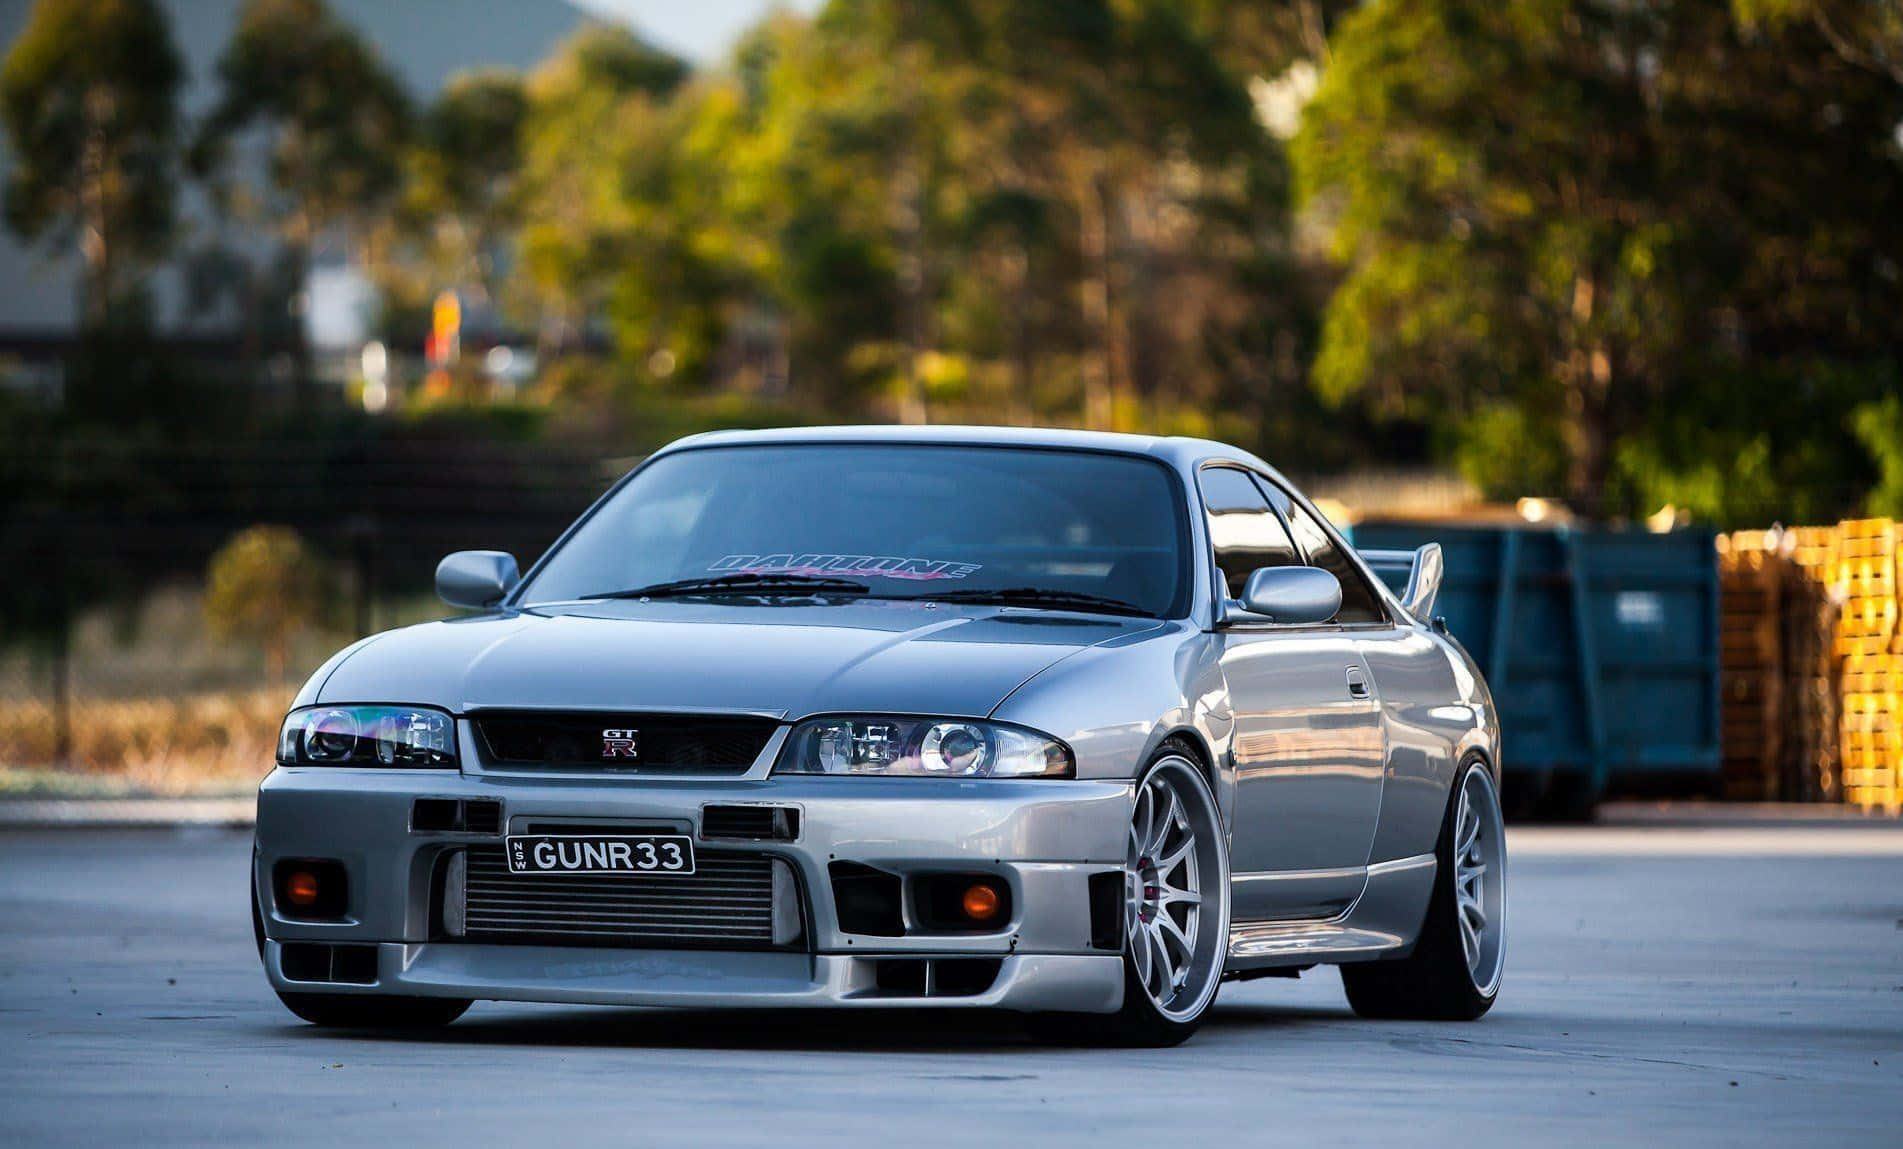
pixel 1177 450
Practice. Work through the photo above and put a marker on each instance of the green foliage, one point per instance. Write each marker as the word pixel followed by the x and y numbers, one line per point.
pixel 1609 217
pixel 264 586
pixel 89 98
pixel 1265 39
pixel 1749 443
pixel 460 193
pixel 598 126
pixel 335 117
pixel 1633 253
pixel 1507 451
pixel 1879 426
pixel 1726 477
pixel 1863 33
pixel 979 210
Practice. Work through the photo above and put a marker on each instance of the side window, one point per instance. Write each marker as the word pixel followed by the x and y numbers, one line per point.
pixel 1245 532
pixel 1358 601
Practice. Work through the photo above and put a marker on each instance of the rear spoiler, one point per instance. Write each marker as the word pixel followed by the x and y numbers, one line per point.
pixel 1423 568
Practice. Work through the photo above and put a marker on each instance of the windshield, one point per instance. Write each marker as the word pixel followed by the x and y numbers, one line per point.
pixel 906 521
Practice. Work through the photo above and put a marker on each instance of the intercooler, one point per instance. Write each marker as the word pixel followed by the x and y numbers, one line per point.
pixel 733 900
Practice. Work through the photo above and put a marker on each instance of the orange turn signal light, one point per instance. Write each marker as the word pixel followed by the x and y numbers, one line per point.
pixel 300 889
pixel 981 902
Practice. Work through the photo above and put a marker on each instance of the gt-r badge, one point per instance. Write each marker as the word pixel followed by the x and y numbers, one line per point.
pixel 619 743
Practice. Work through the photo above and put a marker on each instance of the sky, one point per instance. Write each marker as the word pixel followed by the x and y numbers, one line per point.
pixel 702 30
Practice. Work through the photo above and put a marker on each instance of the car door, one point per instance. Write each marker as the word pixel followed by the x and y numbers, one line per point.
pixel 1414 682
pixel 1307 737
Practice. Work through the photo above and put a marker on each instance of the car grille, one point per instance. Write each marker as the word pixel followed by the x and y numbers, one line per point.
pixel 664 743
pixel 726 903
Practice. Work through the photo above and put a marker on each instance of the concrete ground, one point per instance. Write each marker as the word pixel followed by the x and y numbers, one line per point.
pixel 1733 985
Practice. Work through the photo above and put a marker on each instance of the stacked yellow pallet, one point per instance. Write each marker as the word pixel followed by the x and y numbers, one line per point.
pixel 1781 693
pixel 1751 664
pixel 1813 548
pixel 1813 686
pixel 1870 647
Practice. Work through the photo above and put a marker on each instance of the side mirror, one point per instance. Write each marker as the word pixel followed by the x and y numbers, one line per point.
pixel 476 580
pixel 1291 594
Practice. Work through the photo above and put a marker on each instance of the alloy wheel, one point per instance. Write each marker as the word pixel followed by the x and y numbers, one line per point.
pixel 1175 919
pixel 1480 879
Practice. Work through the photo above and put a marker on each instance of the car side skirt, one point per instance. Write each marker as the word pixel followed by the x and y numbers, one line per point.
pixel 1383 922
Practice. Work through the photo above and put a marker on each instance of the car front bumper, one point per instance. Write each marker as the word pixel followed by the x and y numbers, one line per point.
pixel 1045 839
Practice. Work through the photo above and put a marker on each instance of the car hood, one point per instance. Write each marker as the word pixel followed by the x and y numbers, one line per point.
pixel 785 660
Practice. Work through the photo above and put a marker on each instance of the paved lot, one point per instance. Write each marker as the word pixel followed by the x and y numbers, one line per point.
pixel 1748 991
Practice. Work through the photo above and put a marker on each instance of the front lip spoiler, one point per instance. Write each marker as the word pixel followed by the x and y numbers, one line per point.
pixel 708 979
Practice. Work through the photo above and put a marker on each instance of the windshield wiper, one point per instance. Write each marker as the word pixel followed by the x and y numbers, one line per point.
pixel 742 584
pixel 1043 596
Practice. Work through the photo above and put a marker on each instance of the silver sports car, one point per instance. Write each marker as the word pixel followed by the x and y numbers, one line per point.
pixel 1075 725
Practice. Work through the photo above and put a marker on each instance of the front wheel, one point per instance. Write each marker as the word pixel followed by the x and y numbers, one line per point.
pixel 1453 973
pixel 1175 913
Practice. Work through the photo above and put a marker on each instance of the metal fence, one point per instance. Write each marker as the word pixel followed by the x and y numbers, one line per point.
pixel 106 662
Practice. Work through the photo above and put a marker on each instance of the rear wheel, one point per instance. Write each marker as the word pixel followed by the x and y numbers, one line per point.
pixel 1453 973
pixel 1175 914
pixel 374 1011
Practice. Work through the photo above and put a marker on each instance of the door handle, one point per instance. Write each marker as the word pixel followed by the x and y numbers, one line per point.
pixel 1357 683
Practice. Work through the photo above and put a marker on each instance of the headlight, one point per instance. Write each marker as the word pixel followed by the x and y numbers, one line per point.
pixel 923 747
pixel 406 736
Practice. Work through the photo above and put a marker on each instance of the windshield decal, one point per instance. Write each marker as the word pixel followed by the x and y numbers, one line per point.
pixel 882 566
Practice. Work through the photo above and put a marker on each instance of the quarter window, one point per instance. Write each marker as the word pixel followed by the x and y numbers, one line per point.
pixel 1358 601
pixel 1246 534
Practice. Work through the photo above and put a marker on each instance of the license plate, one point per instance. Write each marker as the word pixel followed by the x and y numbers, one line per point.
pixel 601 854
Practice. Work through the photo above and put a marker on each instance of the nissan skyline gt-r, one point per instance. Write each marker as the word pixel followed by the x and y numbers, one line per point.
pixel 1075 725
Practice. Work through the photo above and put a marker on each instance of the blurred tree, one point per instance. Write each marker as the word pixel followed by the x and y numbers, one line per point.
pixel 330 118
pixel 1608 217
pixel 1866 33
pixel 597 111
pixel 264 586
pixel 1879 425
pixel 461 191
pixel 1264 38
pixel 89 96
pixel 845 170
pixel 1125 116
pixel 1055 211
pixel 680 281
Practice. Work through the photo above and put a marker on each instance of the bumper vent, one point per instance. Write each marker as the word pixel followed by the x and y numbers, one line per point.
pixel 750 823
pixel 1106 910
pixel 868 900
pixel 449 815
pixel 318 961
pixel 731 901
pixel 934 977
pixel 482 817
pixel 708 745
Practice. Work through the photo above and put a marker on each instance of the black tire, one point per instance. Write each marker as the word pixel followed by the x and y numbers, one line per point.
pixel 1141 1022
pixel 1434 982
pixel 374 1011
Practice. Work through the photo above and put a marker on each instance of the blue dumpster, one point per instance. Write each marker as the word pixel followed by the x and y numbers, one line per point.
pixel 1601 647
